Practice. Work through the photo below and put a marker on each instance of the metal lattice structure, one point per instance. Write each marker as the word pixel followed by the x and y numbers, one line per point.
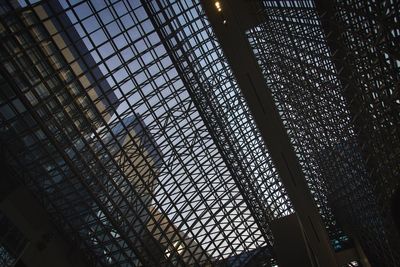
pixel 296 65
pixel 364 37
pixel 327 132
pixel 370 35
pixel 209 80
pixel 125 120
pixel 137 142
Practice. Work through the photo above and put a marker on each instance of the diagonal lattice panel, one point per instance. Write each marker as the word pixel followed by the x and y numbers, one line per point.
pixel 116 142
pixel 215 92
pixel 292 51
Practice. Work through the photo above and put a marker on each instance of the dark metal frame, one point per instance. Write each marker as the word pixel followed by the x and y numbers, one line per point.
pixel 325 85
pixel 210 157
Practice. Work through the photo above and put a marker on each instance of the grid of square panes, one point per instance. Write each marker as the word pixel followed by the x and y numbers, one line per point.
pixel 213 88
pixel 150 190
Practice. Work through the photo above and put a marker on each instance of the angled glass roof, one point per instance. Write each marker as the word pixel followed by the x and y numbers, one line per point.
pixel 133 132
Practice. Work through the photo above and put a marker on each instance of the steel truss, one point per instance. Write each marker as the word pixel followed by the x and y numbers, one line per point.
pixel 200 62
pixel 369 37
pixel 364 38
pixel 338 130
pixel 142 156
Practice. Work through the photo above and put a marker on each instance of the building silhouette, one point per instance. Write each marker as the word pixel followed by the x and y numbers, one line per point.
pixel 199 133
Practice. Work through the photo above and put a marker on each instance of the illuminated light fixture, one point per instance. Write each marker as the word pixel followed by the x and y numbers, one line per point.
pixel 218 6
pixel 224 22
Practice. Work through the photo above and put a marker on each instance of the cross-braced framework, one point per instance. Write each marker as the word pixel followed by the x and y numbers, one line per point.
pixel 293 53
pixel 133 134
pixel 371 33
pixel 364 37
pixel 294 61
pixel 208 78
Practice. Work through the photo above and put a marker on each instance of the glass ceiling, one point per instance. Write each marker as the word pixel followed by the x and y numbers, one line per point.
pixel 144 142
pixel 124 119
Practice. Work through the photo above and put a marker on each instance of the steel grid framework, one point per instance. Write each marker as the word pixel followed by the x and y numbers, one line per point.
pixel 142 179
pixel 328 124
pixel 364 37
pixel 371 34
pixel 129 126
pixel 210 82
pixel 295 66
